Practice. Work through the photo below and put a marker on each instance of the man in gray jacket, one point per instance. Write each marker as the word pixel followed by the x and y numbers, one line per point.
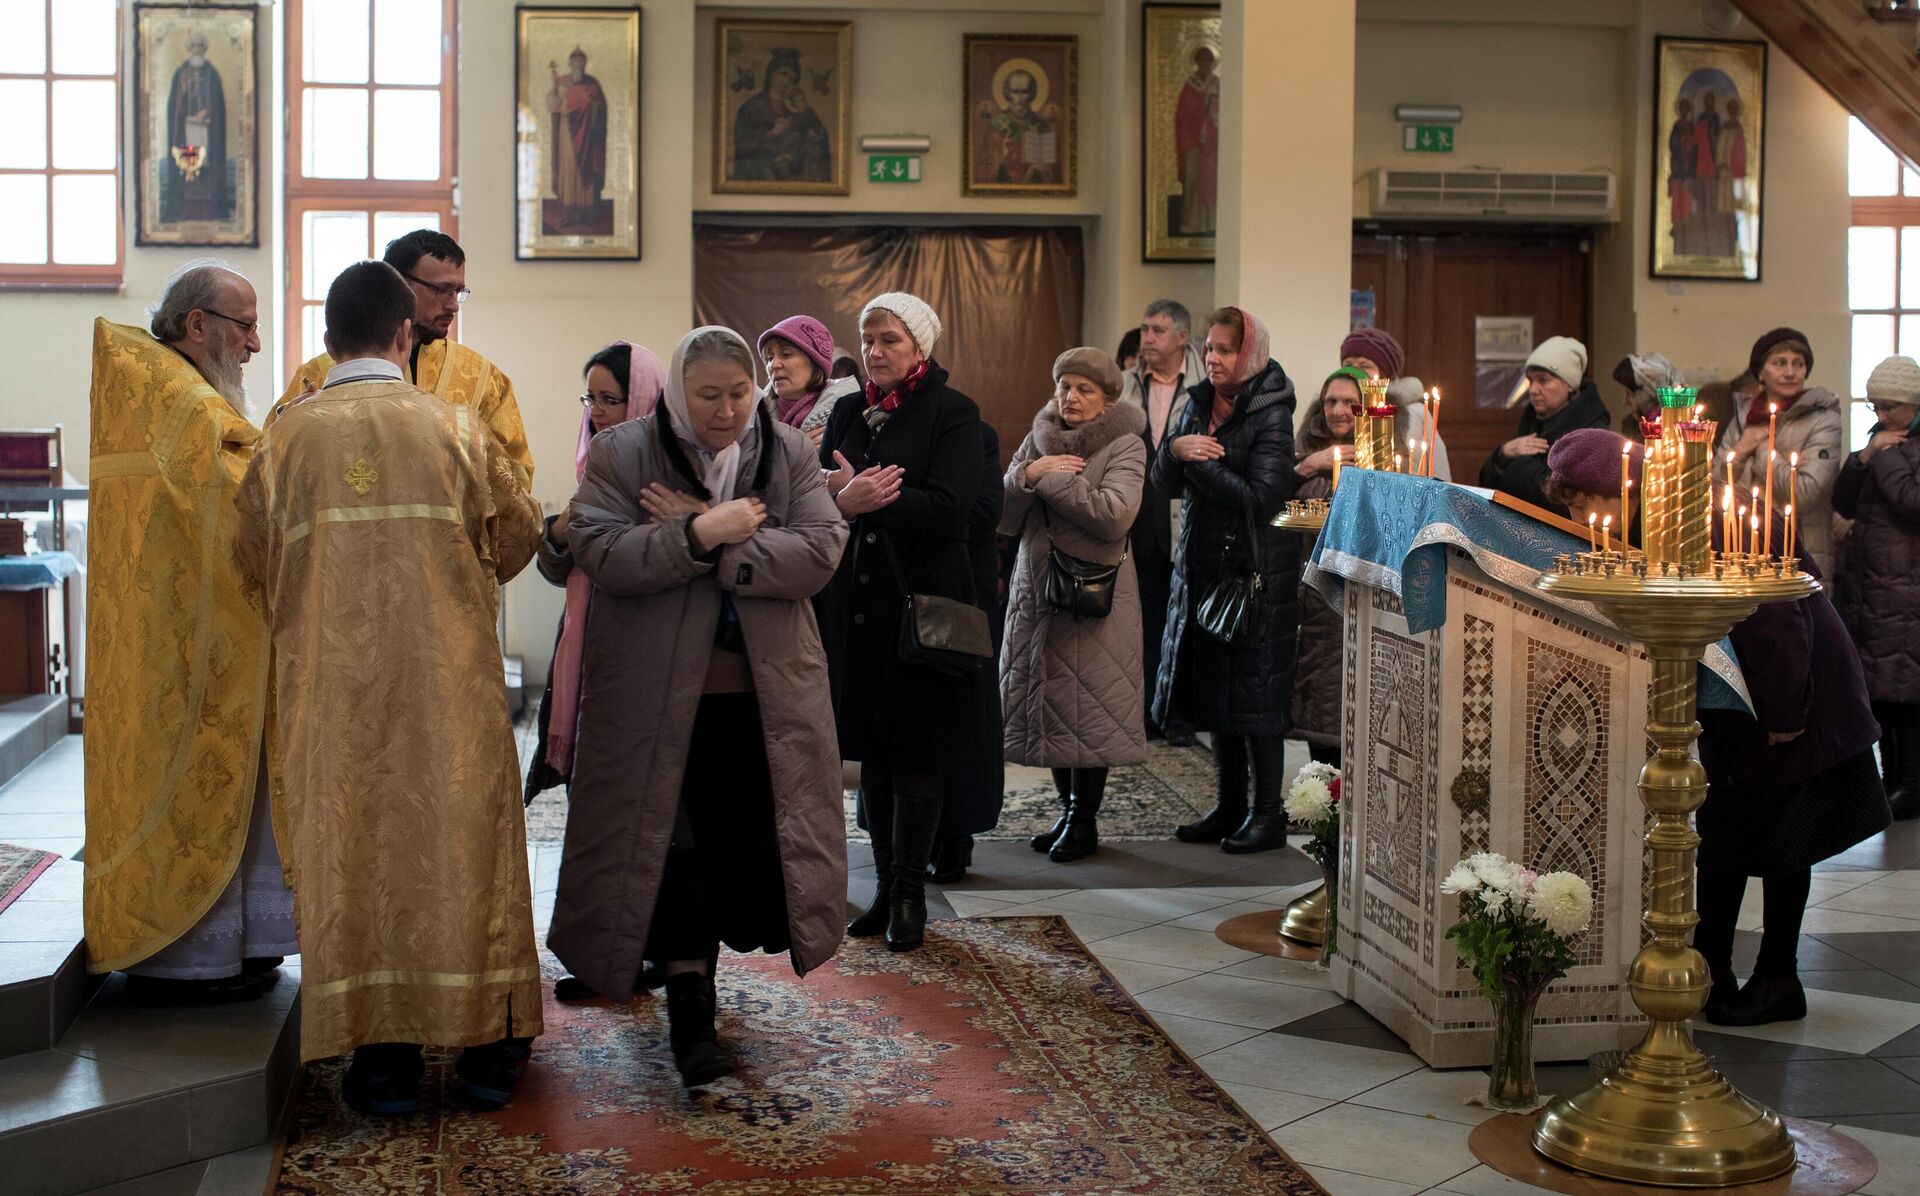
pixel 1169 367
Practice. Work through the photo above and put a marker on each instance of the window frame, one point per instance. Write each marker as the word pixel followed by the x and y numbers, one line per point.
pixel 1897 212
pixel 51 275
pixel 370 195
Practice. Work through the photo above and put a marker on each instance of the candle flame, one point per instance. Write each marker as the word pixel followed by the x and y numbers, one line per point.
pixel 1793 459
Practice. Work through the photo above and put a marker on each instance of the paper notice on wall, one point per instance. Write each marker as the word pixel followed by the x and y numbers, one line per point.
pixel 1361 312
pixel 1500 348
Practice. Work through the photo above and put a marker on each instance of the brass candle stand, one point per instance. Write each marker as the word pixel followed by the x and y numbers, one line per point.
pixel 1303 515
pixel 1305 920
pixel 1664 1115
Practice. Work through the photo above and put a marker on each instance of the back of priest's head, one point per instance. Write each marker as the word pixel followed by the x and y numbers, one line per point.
pixel 369 313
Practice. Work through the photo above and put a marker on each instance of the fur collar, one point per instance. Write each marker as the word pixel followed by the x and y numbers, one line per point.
pixel 1052 436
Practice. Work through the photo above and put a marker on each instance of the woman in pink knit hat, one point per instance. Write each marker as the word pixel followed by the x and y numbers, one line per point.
pixel 801 389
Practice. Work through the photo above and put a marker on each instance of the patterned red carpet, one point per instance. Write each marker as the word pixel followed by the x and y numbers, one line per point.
pixel 1000 1058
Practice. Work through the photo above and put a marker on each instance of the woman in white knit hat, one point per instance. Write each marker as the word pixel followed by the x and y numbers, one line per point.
pixel 904 462
pixel 1878 588
pixel 1560 398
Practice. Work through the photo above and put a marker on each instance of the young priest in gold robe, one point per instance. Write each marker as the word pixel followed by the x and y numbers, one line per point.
pixel 435 269
pixel 183 882
pixel 379 522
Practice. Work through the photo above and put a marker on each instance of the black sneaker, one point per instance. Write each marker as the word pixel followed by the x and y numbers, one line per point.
pixel 488 1073
pixel 389 1089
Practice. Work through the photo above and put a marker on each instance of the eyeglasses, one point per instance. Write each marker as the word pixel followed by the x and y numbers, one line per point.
pixel 589 400
pixel 445 290
pixel 250 328
pixel 1881 407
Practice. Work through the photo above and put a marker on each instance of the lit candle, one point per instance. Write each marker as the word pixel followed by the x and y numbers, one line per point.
pixel 1753 533
pixel 1626 480
pixel 1593 539
pixel 1396 463
pixel 1753 512
pixel 1433 428
pixel 1739 528
pixel 1790 558
pixel 1336 467
pixel 1606 533
pixel 1728 539
pixel 1773 419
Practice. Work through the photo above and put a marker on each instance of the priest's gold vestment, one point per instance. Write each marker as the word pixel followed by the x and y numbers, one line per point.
pixel 380 522
pixel 458 375
pixel 176 654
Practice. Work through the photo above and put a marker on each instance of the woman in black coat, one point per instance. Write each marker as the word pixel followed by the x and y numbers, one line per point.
pixel 906 468
pixel 1230 459
pixel 1878 590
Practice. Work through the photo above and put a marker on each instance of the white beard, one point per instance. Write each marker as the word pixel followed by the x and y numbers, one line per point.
pixel 224 374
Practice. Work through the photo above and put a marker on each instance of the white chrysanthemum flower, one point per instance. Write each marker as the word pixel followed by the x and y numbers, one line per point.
pixel 1319 769
pixel 1495 901
pixel 1309 800
pixel 1461 880
pixel 1563 901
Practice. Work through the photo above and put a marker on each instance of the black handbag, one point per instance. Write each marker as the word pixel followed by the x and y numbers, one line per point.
pixel 941 634
pixel 1084 589
pixel 1231 610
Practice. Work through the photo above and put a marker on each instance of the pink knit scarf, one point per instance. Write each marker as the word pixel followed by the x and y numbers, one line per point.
pixel 646 377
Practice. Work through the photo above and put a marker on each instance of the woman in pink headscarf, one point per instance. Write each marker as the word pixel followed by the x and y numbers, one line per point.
pixel 624 381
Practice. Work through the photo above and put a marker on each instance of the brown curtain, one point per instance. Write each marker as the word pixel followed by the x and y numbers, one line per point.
pixel 1009 299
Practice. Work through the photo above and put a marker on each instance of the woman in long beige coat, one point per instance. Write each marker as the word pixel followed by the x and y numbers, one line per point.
pixel 705 801
pixel 1071 687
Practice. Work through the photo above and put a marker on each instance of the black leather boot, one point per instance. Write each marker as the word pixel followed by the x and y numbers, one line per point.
pixel 1230 788
pixel 696 1047
pixel 872 922
pixel 1763 999
pixel 1082 836
pixel 916 820
pixel 1725 991
pixel 1266 827
pixel 952 856
pixel 1063 783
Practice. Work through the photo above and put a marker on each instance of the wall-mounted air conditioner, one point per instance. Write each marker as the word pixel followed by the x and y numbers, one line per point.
pixel 1510 196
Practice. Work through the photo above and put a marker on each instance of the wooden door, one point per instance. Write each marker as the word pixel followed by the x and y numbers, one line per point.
pixel 1430 288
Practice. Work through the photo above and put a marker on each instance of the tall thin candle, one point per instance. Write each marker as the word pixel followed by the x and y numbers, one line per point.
pixel 1336 467
pixel 1727 536
pixel 1753 533
pixel 1433 428
pixel 1593 538
pixel 1626 480
pixel 1773 458
pixel 1793 498
pixel 1606 533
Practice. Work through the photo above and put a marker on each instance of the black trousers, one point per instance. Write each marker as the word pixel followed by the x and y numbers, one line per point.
pixel 1783 903
pixel 1899 743
pixel 722 880
pixel 1154 570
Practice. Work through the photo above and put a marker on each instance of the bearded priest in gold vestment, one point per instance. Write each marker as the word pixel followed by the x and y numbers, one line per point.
pixel 379 522
pixel 183 886
pixel 435 268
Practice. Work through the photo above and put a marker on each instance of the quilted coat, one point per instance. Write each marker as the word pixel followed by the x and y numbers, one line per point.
pixel 1242 689
pixel 1072 689
pixel 1878 590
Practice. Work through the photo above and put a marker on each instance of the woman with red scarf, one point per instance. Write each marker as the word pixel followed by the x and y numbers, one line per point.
pixel 1808 427
pixel 904 466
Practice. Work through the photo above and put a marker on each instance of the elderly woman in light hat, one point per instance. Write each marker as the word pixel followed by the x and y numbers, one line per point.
pixel 1641 376
pixel 904 462
pixel 1071 684
pixel 1560 399
pixel 1878 589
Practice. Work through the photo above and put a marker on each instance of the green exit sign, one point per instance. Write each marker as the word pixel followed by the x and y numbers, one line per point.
pixel 1427 139
pixel 893 168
